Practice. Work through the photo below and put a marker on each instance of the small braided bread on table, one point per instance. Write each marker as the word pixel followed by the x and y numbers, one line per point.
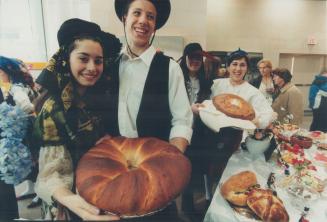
pixel 267 206
pixel 234 106
pixel 132 177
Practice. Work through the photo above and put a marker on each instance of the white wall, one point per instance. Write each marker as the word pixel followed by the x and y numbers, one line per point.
pixel 268 26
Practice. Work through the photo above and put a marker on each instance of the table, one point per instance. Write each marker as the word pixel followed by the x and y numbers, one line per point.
pixel 220 211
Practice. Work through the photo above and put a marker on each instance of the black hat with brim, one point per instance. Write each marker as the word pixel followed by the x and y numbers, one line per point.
pixel 162 6
pixel 195 48
pixel 73 28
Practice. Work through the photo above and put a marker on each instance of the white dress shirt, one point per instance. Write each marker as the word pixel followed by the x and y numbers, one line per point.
pixel 132 75
pixel 263 110
pixel 194 89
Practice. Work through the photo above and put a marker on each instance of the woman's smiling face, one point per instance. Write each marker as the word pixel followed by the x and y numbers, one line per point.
pixel 86 62
pixel 237 70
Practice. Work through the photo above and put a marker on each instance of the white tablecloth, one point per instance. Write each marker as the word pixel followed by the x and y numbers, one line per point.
pixel 220 211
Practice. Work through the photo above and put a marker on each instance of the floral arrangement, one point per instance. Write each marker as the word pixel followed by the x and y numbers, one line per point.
pixel 302 164
pixel 15 158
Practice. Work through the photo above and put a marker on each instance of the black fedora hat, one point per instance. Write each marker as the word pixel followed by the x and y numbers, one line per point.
pixel 162 6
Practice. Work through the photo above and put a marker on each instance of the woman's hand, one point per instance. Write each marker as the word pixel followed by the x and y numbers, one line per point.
pixel 80 207
pixel 107 136
pixel 255 121
pixel 195 108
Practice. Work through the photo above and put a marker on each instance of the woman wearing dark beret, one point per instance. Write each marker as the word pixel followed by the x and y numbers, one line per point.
pixel 68 125
pixel 228 139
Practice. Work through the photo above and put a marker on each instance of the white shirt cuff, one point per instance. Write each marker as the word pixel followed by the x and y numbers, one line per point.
pixel 181 131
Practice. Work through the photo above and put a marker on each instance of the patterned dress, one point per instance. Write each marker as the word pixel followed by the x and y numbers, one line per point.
pixel 64 130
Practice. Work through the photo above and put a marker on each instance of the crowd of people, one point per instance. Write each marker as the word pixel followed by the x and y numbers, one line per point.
pixel 95 88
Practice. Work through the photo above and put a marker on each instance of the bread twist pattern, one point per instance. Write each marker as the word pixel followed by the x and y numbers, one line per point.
pixel 132 176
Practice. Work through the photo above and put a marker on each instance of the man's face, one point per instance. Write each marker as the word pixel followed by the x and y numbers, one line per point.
pixel 140 23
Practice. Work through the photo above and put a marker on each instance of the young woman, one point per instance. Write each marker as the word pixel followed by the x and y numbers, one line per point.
pixel 196 83
pixel 67 126
pixel 198 89
pixel 146 77
pixel 228 139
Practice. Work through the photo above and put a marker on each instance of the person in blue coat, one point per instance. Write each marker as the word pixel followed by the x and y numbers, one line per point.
pixel 318 102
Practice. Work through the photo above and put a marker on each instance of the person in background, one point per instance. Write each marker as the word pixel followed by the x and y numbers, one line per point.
pixel 30 180
pixel 15 89
pixel 228 139
pixel 196 82
pixel 9 76
pixel 318 102
pixel 264 82
pixel 146 77
pixel 67 125
pixel 289 102
pixel 198 89
pixel 212 66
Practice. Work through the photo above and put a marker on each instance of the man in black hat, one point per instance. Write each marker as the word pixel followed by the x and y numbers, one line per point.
pixel 146 77
pixel 289 103
pixel 151 99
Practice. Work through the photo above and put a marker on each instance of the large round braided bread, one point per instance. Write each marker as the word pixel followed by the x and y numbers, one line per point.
pixel 234 106
pixel 131 177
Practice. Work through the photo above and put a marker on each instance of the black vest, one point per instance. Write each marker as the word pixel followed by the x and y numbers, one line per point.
pixel 154 116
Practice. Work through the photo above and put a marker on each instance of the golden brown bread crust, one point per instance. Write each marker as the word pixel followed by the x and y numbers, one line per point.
pixel 267 206
pixel 235 188
pixel 132 176
pixel 234 106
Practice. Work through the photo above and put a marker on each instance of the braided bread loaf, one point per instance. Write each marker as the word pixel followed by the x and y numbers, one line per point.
pixel 267 206
pixel 131 177
pixel 234 106
pixel 235 189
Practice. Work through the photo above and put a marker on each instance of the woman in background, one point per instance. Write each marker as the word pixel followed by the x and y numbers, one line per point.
pixel 15 88
pixel 198 89
pixel 12 86
pixel 196 83
pixel 265 81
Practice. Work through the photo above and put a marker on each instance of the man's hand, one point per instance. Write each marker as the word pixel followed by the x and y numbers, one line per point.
pixel 180 143
pixel 195 108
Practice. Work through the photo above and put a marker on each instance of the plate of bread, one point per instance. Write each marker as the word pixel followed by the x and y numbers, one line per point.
pixel 249 201
pixel 216 119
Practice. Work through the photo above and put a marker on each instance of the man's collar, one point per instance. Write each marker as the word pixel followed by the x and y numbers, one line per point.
pixel 146 56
